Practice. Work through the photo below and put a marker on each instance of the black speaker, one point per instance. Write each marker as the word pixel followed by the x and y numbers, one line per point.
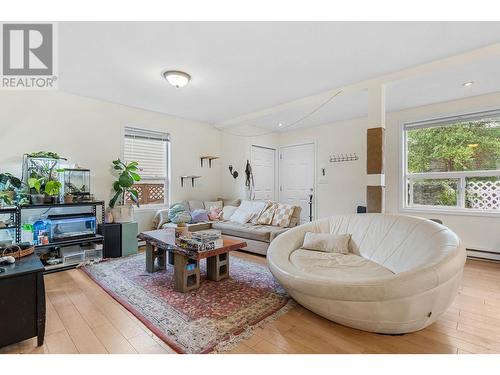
pixel 112 239
pixel 361 210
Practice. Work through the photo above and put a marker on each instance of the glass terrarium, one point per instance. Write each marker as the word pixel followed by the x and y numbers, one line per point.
pixel 77 183
pixel 41 165
pixel 41 172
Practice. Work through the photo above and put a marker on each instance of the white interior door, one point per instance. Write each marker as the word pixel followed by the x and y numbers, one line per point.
pixel 264 172
pixel 297 176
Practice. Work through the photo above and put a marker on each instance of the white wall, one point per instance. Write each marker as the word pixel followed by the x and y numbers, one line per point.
pixel 89 132
pixel 345 186
pixel 477 232
pixel 236 150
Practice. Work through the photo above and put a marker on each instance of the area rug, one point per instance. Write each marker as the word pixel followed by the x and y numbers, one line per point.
pixel 211 319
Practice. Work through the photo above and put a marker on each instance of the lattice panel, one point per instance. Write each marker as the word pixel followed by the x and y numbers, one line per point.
pixel 149 193
pixel 156 193
pixel 483 195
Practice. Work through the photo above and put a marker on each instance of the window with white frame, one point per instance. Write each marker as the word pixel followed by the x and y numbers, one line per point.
pixel 453 163
pixel 150 149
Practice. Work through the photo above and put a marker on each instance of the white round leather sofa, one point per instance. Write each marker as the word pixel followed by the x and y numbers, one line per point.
pixel 401 273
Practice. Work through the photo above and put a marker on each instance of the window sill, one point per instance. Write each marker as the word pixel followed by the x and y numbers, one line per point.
pixel 444 211
pixel 150 207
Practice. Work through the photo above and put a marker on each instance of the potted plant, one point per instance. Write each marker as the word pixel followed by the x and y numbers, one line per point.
pixel 68 198
pixel 9 184
pixel 35 186
pixel 52 190
pixel 127 176
pixel 42 169
pixel 5 199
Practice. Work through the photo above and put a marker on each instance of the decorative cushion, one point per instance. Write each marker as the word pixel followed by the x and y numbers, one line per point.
pixel 181 217
pixel 327 242
pixel 295 216
pixel 228 211
pixel 199 215
pixel 215 214
pixel 266 217
pixel 283 215
pixel 210 204
pixel 253 208
pixel 230 202
pixel 184 204
pixel 242 216
pixel 175 209
pixel 196 205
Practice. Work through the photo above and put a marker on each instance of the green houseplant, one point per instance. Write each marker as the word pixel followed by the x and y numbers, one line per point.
pixel 35 186
pixel 5 199
pixel 9 184
pixel 42 172
pixel 127 176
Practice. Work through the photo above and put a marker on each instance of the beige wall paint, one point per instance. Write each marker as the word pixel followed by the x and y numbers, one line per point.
pixel 477 232
pixel 236 151
pixel 344 186
pixel 89 132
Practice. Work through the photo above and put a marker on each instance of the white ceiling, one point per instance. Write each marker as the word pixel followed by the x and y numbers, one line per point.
pixel 239 68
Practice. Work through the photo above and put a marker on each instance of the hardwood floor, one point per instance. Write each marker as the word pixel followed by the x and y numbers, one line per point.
pixel 82 318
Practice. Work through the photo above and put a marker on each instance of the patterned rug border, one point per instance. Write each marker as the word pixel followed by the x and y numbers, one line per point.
pixel 232 341
pixel 225 345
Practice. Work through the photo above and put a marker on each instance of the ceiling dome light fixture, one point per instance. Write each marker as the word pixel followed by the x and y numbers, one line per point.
pixel 280 125
pixel 176 78
pixel 467 84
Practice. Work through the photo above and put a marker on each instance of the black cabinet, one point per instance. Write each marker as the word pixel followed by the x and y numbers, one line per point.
pixel 22 301
pixel 112 239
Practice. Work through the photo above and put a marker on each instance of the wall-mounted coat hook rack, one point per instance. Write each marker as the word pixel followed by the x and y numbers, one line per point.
pixel 338 158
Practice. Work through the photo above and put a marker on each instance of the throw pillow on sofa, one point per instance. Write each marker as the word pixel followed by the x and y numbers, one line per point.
pixel 283 215
pixel 248 210
pixel 214 214
pixel 241 216
pixel 175 209
pixel 266 217
pixel 327 242
pixel 181 217
pixel 228 211
pixel 199 216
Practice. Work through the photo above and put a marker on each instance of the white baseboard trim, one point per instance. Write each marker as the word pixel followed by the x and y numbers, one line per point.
pixel 482 254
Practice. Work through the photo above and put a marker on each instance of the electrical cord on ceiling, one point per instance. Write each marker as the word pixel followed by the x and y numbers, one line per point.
pixel 285 126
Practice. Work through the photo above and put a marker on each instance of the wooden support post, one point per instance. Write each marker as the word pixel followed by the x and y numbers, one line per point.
pixel 375 153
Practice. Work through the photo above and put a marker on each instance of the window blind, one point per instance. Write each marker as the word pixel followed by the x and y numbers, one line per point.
pixel 149 149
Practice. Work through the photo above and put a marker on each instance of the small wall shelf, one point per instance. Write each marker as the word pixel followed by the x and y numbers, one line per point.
pixel 209 158
pixel 192 180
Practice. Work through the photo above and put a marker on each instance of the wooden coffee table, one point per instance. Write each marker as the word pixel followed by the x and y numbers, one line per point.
pixel 160 244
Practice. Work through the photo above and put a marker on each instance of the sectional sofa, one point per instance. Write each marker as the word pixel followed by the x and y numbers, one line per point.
pixel 257 236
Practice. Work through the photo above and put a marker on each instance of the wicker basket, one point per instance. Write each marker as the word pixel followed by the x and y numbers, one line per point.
pixel 17 252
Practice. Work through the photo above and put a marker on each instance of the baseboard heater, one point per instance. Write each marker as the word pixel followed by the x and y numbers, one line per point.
pixel 483 254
